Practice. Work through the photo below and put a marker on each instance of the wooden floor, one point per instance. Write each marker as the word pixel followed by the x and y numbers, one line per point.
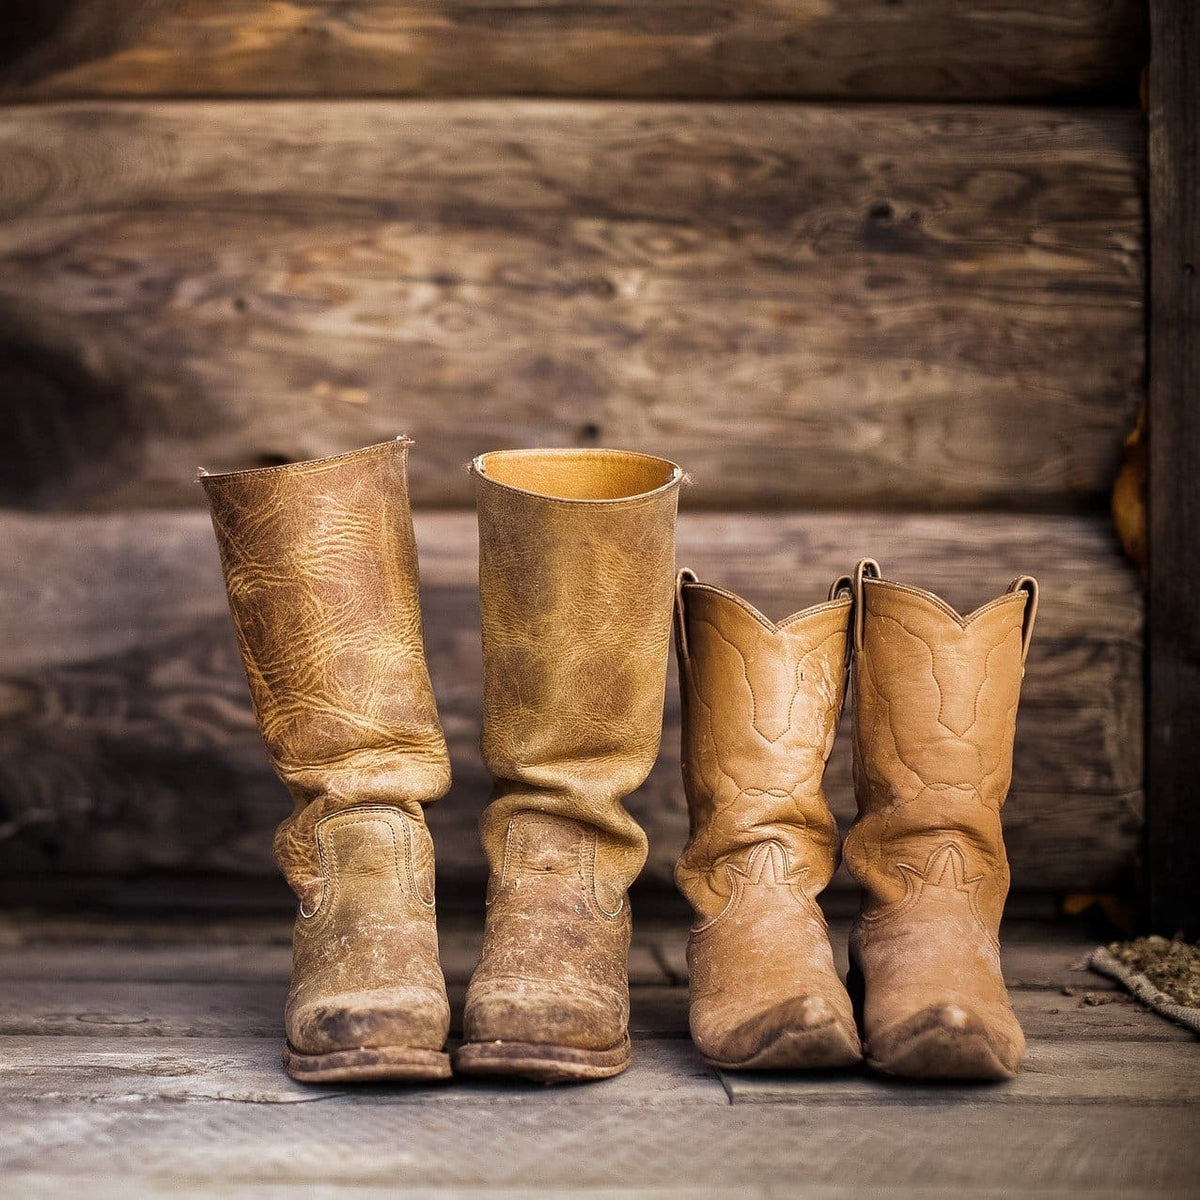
pixel 137 1060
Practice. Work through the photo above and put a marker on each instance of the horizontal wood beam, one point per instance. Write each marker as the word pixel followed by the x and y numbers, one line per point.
pixel 807 306
pixel 864 49
pixel 127 741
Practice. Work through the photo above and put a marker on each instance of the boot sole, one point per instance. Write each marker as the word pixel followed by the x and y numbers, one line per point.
pixel 819 1049
pixel 401 1063
pixel 542 1063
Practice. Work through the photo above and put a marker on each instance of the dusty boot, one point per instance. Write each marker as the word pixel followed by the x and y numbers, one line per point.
pixel 935 708
pixel 321 571
pixel 761 704
pixel 576 552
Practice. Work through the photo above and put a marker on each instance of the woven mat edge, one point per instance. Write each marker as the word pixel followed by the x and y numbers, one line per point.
pixel 1145 991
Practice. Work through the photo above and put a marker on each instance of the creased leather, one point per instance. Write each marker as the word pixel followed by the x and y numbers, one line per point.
pixel 761 704
pixel 576 554
pixel 321 572
pixel 935 706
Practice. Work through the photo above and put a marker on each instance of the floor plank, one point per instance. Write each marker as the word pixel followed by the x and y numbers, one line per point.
pixel 369 1141
pixel 1055 1072
pixel 254 1008
pixel 1034 955
pixel 260 950
pixel 35 1185
pixel 136 1066
pixel 665 1070
pixel 247 1070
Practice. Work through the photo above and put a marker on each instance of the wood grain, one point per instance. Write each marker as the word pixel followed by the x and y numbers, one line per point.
pixel 936 49
pixel 39 1008
pixel 803 305
pixel 1042 956
pixel 526 1143
pixel 669 1071
pixel 665 1071
pixel 127 742
pixel 1055 1071
pixel 1102 1111
pixel 1173 661
pixel 37 1185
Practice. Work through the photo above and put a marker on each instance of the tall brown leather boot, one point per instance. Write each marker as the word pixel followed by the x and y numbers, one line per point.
pixel 321 570
pixel 576 551
pixel 935 708
pixel 761 704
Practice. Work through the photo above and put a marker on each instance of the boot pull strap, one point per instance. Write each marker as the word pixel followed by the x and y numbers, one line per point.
pixel 867 568
pixel 1028 585
pixel 844 585
pixel 686 575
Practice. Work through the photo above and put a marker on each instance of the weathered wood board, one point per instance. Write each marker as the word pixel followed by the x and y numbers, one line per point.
pixel 939 49
pixel 46 1008
pixel 802 304
pixel 1055 1071
pixel 247 1069
pixel 150 1070
pixel 1173 651
pixel 127 741
pixel 98 946
pixel 521 1144
pixel 83 948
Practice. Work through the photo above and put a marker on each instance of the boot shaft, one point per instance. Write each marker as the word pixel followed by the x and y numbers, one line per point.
pixel 321 571
pixel 576 560
pixel 761 703
pixel 935 707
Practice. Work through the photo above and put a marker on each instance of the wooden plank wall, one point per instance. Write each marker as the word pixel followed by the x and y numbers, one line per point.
pixel 872 272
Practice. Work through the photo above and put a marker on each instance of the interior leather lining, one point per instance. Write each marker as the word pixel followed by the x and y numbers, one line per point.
pixel 578 474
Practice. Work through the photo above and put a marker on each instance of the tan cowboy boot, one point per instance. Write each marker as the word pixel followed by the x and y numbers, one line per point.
pixel 576 552
pixel 761 704
pixel 935 708
pixel 321 570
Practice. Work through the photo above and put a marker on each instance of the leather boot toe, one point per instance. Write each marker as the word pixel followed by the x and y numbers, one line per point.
pixel 806 1033
pixel 375 1017
pixel 536 1011
pixel 950 1040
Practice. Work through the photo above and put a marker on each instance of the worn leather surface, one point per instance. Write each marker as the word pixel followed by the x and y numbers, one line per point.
pixel 761 703
pixel 576 557
pixel 935 706
pixel 321 571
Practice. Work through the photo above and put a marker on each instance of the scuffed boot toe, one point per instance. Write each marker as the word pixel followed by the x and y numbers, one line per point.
pixel 949 1040
pixel 532 1029
pixel 539 1011
pixel 378 1033
pixel 806 1033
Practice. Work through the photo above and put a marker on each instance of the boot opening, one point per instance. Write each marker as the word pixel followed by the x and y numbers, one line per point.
pixel 578 474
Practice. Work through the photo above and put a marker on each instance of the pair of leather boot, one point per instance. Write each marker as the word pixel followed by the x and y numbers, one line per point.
pixel 934 712
pixel 576 559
